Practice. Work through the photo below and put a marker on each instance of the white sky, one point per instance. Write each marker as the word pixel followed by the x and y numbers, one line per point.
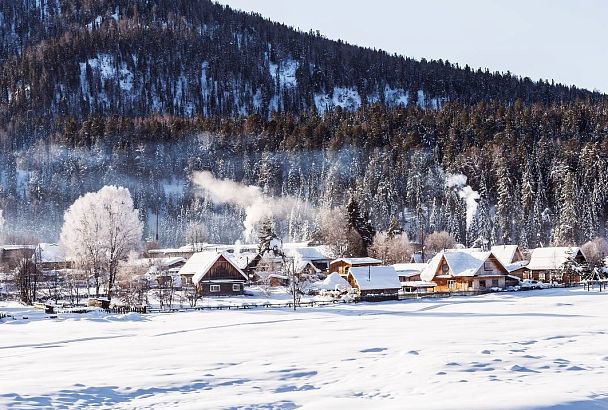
pixel 564 40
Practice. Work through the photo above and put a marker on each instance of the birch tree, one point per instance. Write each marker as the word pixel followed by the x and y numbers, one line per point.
pixel 99 230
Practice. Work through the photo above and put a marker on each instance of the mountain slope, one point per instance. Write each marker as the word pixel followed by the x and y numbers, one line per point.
pixel 186 58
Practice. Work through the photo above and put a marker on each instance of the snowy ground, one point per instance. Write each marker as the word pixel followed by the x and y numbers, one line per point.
pixel 538 349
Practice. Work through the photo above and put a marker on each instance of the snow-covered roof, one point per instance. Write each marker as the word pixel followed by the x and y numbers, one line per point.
pixel 332 282
pixel 375 277
pixel 49 253
pixel 551 258
pixel 516 265
pixel 243 259
pixel 302 264
pixel 409 269
pixel 358 261
pixel 16 247
pixel 418 284
pixel 505 253
pixel 310 253
pixel 462 262
pixel 200 263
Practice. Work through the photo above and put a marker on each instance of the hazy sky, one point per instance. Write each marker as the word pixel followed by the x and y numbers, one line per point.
pixel 564 40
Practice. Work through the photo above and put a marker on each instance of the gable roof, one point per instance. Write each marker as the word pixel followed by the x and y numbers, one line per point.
pixel 409 269
pixel 200 263
pixel 462 262
pixel 505 253
pixel 311 253
pixel 551 258
pixel 375 277
pixel 358 261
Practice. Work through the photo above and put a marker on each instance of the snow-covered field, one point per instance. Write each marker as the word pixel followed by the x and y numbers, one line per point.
pixel 538 349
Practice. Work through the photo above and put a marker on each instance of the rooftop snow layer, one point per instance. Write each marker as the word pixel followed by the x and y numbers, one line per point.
pixel 375 277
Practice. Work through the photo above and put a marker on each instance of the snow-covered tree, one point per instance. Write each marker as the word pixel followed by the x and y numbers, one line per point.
pixel 595 252
pixel 391 249
pixel 99 230
pixel 438 241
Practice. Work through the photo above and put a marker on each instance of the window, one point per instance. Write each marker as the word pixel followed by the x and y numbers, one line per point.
pixel 451 284
pixel 482 284
pixel 214 288
pixel 236 287
pixel 445 268
pixel 487 266
pixel 541 276
pixel 494 283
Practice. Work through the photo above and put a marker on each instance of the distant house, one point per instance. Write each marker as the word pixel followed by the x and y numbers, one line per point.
pixel 546 264
pixel 50 256
pixel 10 255
pixel 409 277
pixel 166 272
pixel 214 274
pixel 375 282
pixel 343 265
pixel 308 259
pixel 455 270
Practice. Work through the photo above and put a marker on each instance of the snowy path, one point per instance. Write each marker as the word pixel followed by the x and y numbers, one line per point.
pixel 519 350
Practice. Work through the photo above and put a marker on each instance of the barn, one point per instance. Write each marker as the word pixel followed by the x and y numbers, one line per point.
pixel 215 274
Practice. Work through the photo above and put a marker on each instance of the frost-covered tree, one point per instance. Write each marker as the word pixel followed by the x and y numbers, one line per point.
pixel 438 241
pixel 99 230
pixel 595 252
pixel 391 249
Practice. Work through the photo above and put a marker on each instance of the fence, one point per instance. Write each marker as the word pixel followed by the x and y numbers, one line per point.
pixel 247 306
pixel 4 315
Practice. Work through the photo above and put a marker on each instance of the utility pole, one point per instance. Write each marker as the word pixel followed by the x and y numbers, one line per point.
pixel 293 282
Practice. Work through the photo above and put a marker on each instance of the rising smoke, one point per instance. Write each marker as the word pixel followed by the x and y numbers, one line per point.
pixel 256 204
pixel 465 192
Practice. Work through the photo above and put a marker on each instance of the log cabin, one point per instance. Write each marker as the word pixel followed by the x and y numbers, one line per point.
pixel 343 265
pixel 215 274
pixel 546 264
pixel 460 270
pixel 375 282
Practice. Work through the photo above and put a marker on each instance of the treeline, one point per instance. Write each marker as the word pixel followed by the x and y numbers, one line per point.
pixel 540 170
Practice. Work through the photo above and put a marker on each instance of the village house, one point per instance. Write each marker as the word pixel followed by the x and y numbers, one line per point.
pixel 409 277
pixel 308 259
pixel 50 256
pixel 513 259
pixel 246 261
pixel 343 265
pixel 546 265
pixel 165 272
pixel 214 274
pixel 374 282
pixel 11 255
pixel 459 270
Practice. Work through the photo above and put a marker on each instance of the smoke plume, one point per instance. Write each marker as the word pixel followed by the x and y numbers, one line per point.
pixel 256 204
pixel 470 196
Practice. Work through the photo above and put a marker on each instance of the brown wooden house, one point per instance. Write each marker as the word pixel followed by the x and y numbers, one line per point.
pixel 460 270
pixel 546 265
pixel 343 265
pixel 214 274
pixel 375 282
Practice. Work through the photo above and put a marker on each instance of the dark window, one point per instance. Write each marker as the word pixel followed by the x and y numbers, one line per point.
pixel 482 283
pixel 487 266
pixel 494 283
pixel 236 287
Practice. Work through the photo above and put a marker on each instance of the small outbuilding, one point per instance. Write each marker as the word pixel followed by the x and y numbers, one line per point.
pixel 343 265
pixel 375 282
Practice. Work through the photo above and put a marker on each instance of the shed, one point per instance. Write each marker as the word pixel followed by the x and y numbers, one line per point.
pixel 375 282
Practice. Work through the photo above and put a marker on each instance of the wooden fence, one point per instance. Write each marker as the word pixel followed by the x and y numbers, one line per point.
pixel 247 306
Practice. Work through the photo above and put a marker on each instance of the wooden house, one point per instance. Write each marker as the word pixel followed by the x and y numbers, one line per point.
pixel 215 274
pixel 308 259
pixel 375 282
pixel 343 265
pixel 409 277
pixel 546 264
pixel 459 270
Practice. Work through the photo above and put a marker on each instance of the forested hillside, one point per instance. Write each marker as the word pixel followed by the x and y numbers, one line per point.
pixel 142 93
